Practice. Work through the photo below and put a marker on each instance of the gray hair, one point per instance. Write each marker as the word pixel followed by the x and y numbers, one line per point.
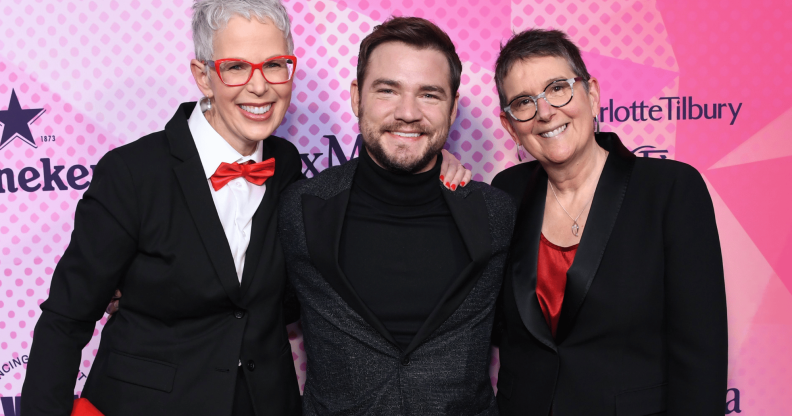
pixel 212 15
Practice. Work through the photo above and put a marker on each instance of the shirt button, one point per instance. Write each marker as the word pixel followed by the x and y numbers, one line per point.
pixel 251 365
pixel 405 360
pixel 239 314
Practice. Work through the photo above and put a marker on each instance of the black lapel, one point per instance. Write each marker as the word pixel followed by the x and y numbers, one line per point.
pixel 605 208
pixel 258 230
pixel 472 219
pixel 324 222
pixel 199 200
pixel 524 253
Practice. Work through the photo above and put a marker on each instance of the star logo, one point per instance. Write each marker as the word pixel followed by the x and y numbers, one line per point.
pixel 16 122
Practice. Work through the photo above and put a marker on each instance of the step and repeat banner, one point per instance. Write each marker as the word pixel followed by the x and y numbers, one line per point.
pixel 706 82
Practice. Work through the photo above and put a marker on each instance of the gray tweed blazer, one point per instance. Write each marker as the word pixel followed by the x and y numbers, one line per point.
pixel 354 365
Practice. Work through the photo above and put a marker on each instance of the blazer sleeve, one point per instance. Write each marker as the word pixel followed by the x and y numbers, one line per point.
pixel 695 301
pixel 293 170
pixel 102 245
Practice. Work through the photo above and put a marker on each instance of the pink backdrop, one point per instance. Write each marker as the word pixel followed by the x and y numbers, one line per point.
pixel 94 75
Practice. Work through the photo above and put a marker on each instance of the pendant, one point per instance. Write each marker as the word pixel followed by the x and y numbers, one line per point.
pixel 575 229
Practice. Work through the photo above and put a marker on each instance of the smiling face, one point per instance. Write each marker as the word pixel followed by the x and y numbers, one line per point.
pixel 554 135
pixel 245 115
pixel 405 106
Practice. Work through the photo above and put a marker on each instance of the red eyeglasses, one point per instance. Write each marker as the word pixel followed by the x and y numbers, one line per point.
pixel 237 72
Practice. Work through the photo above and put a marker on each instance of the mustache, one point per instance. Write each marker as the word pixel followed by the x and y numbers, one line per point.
pixel 414 127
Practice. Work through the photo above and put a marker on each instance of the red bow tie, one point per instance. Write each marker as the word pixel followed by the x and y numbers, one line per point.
pixel 255 173
pixel 82 407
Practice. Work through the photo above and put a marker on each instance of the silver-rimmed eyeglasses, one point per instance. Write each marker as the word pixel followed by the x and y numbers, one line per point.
pixel 558 94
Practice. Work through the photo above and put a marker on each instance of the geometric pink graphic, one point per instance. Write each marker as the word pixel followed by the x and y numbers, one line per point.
pixel 759 308
pixel 763 370
pixel 626 82
pixel 476 27
pixel 756 192
pixel 713 42
pixel 108 72
pixel 758 195
pixel 741 258
pixel 771 142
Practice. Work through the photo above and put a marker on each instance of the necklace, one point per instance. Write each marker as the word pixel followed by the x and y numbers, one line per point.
pixel 575 226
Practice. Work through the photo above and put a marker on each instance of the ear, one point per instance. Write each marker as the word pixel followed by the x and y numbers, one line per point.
pixel 454 109
pixel 201 76
pixel 594 96
pixel 506 122
pixel 354 95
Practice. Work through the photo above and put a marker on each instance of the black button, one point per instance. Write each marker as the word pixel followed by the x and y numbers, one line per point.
pixel 251 365
pixel 239 314
pixel 405 360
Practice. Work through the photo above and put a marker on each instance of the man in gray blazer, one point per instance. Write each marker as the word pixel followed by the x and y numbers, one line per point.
pixel 398 276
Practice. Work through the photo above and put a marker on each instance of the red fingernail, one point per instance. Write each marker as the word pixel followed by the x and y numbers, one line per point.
pixel 453 187
pixel 462 183
pixel 441 177
pixel 448 184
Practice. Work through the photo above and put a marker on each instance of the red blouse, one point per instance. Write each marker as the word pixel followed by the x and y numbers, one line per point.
pixel 554 261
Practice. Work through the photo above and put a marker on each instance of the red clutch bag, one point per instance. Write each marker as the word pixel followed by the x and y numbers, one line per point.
pixel 82 407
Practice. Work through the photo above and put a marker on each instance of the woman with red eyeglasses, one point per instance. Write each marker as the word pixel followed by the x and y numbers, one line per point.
pixel 183 222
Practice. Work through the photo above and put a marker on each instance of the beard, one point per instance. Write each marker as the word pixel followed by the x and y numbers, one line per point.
pixel 402 160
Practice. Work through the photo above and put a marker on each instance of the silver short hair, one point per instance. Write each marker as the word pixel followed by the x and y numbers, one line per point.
pixel 210 16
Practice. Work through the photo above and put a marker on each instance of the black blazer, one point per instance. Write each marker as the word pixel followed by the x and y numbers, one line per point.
pixel 355 366
pixel 148 226
pixel 643 323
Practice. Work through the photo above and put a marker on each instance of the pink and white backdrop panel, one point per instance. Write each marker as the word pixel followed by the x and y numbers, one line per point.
pixel 705 82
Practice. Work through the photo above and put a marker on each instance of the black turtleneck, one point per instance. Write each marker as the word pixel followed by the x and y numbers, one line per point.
pixel 400 247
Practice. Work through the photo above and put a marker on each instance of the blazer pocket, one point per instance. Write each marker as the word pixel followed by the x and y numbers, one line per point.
pixel 505 383
pixel 141 371
pixel 641 402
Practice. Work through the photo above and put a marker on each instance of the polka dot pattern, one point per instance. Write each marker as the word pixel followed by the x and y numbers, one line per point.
pixel 109 72
pixel 629 30
pixel 105 73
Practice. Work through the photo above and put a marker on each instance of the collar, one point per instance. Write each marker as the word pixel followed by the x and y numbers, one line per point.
pixel 212 147
pixel 612 143
pixel 399 189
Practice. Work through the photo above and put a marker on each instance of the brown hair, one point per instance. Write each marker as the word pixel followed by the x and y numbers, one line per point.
pixel 535 43
pixel 414 31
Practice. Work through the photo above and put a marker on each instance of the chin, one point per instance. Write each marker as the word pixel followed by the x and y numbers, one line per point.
pixel 397 155
pixel 259 133
pixel 409 154
pixel 560 158
pixel 406 162
pixel 409 161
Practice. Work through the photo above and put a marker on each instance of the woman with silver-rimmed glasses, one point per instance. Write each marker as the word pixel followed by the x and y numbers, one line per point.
pixel 613 299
